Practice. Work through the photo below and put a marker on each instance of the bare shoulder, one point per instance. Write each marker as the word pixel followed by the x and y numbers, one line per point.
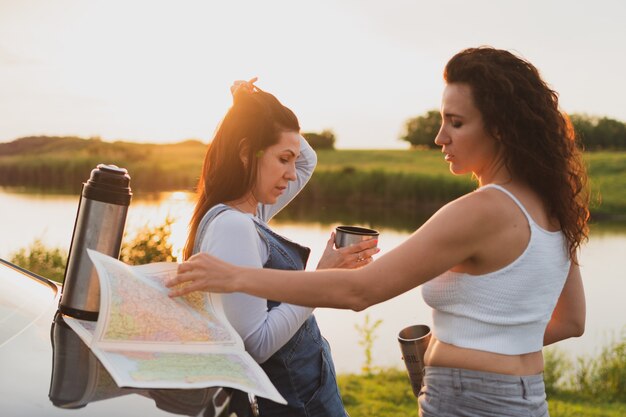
pixel 455 235
pixel 479 209
pixel 474 229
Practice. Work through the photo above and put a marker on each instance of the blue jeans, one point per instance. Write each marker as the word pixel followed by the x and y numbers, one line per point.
pixel 466 393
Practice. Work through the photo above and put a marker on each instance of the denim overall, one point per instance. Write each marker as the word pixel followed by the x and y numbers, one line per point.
pixel 302 370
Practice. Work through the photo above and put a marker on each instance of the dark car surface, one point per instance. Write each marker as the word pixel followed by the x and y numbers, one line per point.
pixel 46 370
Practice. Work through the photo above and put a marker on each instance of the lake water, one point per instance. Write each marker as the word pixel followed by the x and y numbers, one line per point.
pixel 26 217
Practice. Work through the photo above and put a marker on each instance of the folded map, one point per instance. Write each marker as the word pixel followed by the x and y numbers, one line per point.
pixel 145 339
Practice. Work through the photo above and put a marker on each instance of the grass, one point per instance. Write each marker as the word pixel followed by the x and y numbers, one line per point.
pixel 389 394
pixel 426 162
pixel 587 387
pixel 607 174
pixel 410 178
pixel 572 407
pixel 66 163
pixel 385 394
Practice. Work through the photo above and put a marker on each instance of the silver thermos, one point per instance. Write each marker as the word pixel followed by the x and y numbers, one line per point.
pixel 99 225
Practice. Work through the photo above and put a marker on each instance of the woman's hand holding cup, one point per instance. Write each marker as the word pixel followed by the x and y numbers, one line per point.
pixel 349 247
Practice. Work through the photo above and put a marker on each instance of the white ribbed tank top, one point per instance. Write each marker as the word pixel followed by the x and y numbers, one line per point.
pixel 505 311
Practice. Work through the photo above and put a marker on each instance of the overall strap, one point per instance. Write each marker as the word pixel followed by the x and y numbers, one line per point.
pixel 302 251
pixel 206 220
pixel 510 194
pixel 283 253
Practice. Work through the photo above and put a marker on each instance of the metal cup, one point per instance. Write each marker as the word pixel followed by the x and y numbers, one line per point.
pixel 413 344
pixel 348 235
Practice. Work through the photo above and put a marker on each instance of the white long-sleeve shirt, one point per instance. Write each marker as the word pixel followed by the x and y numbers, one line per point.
pixel 233 237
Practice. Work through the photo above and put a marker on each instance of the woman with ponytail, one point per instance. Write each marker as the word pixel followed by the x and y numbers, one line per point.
pixel 255 165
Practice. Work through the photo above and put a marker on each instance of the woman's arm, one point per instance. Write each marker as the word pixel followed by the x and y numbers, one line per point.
pixel 305 165
pixel 451 236
pixel 232 236
pixel 568 318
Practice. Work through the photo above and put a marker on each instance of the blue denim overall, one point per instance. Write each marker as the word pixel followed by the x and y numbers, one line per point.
pixel 302 370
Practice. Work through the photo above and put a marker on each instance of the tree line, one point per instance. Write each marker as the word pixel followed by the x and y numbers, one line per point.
pixel 593 133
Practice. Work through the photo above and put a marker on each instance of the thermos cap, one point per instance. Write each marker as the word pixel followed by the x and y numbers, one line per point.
pixel 109 184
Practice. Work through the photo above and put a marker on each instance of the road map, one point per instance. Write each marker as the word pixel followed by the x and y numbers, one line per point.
pixel 145 339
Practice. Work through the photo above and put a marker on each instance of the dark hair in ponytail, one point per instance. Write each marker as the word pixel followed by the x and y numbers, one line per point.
pixel 253 123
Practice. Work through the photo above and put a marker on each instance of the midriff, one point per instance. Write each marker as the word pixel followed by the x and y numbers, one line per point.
pixel 450 356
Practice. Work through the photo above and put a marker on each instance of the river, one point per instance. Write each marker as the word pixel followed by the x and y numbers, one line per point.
pixel 25 217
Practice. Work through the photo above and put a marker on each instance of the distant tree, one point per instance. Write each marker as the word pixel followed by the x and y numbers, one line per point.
pixel 583 126
pixel 610 134
pixel 324 140
pixel 421 130
pixel 594 133
pixel 599 133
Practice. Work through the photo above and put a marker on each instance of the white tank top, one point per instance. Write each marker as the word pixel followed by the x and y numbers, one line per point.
pixel 505 311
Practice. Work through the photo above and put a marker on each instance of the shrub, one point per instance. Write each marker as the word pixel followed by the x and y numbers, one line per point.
pixel 37 258
pixel 556 366
pixel 150 244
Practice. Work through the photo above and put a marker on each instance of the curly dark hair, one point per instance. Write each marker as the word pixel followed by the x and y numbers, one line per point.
pixel 539 142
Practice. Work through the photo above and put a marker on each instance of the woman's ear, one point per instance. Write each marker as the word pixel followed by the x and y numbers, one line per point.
pixel 244 151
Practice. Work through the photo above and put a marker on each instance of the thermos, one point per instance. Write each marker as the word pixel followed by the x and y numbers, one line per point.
pixel 99 225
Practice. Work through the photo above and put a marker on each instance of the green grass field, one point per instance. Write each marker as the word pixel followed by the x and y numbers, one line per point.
pixel 388 394
pixel 408 178
pixel 607 178
pixel 425 162
pixel 607 172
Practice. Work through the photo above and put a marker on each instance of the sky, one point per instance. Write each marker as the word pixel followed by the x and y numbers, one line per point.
pixel 159 71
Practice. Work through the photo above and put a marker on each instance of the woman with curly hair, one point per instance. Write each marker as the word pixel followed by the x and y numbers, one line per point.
pixel 498 266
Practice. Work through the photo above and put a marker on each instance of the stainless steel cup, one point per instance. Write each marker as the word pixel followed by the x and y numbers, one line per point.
pixel 413 344
pixel 348 235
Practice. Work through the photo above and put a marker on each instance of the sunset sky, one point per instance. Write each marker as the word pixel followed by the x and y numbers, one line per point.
pixel 159 71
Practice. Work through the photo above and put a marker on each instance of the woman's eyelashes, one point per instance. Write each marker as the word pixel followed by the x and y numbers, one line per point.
pixel 285 159
pixel 456 123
